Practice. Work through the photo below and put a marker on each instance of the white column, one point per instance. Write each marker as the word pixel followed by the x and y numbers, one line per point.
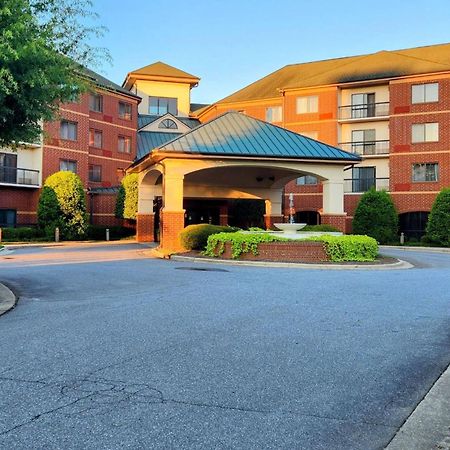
pixel 333 196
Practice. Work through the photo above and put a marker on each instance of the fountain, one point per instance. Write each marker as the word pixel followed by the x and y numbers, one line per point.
pixel 291 227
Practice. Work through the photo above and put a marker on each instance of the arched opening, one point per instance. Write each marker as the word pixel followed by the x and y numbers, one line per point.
pixel 413 224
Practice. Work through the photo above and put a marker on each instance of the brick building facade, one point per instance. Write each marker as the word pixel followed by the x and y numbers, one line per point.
pixel 94 137
pixel 391 107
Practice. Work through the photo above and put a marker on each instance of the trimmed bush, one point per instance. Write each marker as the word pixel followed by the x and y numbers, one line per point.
pixel 324 227
pixel 195 237
pixel 349 247
pixel 338 248
pixel 21 234
pixel 127 197
pixel 438 226
pixel 98 232
pixel 376 216
pixel 62 204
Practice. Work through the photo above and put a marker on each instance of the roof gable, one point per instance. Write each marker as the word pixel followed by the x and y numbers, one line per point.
pixel 235 134
pixel 164 70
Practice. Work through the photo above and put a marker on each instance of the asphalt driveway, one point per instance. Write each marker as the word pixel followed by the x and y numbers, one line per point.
pixel 108 349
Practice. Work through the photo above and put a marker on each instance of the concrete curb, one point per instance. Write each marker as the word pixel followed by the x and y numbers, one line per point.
pixel 7 299
pixel 416 249
pixel 400 264
pixel 428 425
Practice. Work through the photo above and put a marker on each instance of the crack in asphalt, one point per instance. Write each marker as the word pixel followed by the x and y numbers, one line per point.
pixel 106 393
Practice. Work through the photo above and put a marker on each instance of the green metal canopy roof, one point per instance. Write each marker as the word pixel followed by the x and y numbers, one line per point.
pixel 148 140
pixel 235 134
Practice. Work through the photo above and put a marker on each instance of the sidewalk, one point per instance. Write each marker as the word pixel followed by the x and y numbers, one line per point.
pixel 7 299
pixel 19 245
pixel 416 249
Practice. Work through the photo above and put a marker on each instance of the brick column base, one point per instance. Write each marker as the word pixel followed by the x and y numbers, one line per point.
pixel 223 220
pixel 145 224
pixel 335 220
pixel 172 223
pixel 270 220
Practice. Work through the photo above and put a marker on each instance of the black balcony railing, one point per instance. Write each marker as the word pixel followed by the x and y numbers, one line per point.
pixel 16 175
pixel 364 184
pixel 366 148
pixel 364 110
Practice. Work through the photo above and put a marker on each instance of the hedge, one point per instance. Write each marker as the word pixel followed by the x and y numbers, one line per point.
pixel 127 197
pixel 338 248
pixel 98 232
pixel 195 237
pixel 22 234
pixel 322 227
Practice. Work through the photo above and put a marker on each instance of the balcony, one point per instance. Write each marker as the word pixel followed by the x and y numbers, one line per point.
pixel 364 111
pixel 18 176
pixel 353 185
pixel 367 148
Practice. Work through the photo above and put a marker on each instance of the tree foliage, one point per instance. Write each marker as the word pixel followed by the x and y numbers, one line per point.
pixel 127 197
pixel 43 45
pixel 438 226
pixel 63 204
pixel 376 216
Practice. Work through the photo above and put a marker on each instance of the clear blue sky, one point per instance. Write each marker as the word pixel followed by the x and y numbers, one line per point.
pixel 231 43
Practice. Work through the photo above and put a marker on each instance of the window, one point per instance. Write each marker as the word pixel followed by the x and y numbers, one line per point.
pixel 96 102
pixel 95 173
pixel 308 104
pixel 363 179
pixel 8 218
pixel 363 105
pixel 159 106
pixel 8 168
pixel 124 144
pixel 425 132
pixel 168 124
pixel 363 142
pixel 425 93
pixel 68 130
pixel 307 179
pixel 310 134
pixel 95 138
pixel 124 110
pixel 274 114
pixel 425 172
pixel 68 165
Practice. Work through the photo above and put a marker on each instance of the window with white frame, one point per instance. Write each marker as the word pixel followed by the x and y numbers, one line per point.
pixel 68 130
pixel 425 93
pixel 95 173
pixel 95 138
pixel 124 144
pixel 124 110
pixel 158 106
pixel 425 132
pixel 425 172
pixel 68 165
pixel 274 114
pixel 96 102
pixel 307 104
pixel 307 179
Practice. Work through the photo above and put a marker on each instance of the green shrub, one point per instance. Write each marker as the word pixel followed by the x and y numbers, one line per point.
pixel 338 248
pixel 240 243
pixel 21 234
pixel 438 226
pixel 62 204
pixel 98 232
pixel 127 197
pixel 349 247
pixel 256 229
pixel 195 237
pixel 376 216
pixel 323 227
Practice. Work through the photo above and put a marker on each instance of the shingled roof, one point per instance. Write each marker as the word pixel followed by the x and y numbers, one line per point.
pixel 235 134
pixel 383 64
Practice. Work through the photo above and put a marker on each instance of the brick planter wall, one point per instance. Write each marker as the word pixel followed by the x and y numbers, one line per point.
pixel 311 252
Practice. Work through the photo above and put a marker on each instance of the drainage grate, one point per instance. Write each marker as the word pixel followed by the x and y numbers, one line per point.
pixel 201 269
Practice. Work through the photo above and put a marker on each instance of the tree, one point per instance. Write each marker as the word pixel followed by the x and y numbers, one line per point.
pixel 438 226
pixel 376 216
pixel 63 203
pixel 127 197
pixel 43 46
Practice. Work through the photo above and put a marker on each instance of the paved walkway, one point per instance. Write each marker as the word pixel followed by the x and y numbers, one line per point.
pixel 110 349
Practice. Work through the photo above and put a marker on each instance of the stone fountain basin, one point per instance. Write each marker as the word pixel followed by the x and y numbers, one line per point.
pixel 290 227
